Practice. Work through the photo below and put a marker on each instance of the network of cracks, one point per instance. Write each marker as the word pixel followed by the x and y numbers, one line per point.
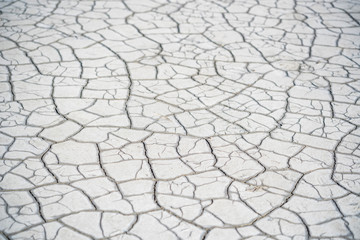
pixel 179 119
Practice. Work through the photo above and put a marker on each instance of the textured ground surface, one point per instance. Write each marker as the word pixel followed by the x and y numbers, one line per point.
pixel 155 119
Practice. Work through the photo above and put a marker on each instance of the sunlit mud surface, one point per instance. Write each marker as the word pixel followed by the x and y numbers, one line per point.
pixel 179 119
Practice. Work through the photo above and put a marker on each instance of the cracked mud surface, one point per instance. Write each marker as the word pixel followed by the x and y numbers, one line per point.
pixel 180 119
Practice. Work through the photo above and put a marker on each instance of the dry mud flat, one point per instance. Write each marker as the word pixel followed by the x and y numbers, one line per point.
pixel 155 119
